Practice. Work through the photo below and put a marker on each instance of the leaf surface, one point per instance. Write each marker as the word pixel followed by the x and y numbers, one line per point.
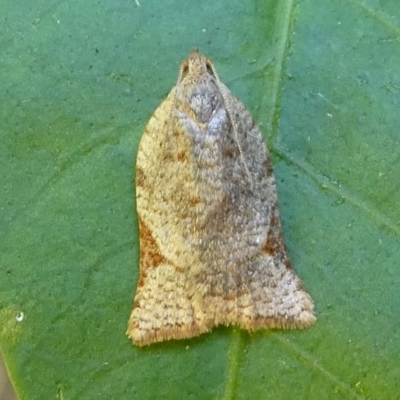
pixel 79 83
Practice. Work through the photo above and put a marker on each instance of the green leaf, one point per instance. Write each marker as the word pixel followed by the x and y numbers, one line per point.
pixel 80 80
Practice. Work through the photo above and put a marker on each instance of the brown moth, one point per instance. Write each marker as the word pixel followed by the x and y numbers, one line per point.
pixel 211 245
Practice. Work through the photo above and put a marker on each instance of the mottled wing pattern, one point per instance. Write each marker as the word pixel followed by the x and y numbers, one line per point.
pixel 162 309
pixel 211 244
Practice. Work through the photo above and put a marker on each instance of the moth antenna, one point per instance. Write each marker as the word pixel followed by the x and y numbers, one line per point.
pixel 234 127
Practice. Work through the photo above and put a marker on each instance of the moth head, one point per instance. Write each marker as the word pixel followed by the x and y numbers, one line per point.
pixel 197 92
pixel 196 68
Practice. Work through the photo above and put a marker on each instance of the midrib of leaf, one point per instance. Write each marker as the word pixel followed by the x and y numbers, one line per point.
pixel 237 342
pixel 234 360
pixel 282 47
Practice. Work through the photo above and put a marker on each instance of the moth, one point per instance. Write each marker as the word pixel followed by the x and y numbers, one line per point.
pixel 211 243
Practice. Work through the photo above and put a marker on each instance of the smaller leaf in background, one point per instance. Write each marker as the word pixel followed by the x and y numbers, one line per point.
pixel 6 390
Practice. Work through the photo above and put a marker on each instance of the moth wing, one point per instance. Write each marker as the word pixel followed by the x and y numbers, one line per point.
pixel 269 293
pixel 162 309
